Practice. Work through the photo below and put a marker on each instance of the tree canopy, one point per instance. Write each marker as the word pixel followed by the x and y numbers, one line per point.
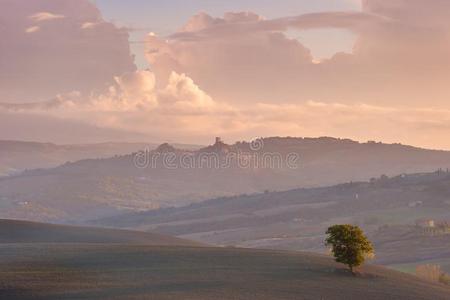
pixel 349 245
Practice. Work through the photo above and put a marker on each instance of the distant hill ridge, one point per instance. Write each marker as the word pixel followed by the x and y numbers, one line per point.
pixel 95 188
pixel 16 156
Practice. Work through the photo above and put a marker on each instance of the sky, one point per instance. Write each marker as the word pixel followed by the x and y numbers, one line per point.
pixel 78 71
pixel 166 17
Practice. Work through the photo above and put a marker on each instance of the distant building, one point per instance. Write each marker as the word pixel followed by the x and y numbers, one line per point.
pixel 426 223
pixel 415 204
pixel 219 147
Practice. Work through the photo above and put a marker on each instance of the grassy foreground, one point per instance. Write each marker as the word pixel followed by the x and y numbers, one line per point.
pixel 113 271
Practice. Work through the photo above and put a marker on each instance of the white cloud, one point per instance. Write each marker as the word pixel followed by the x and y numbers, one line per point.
pixel 133 94
pixel 45 16
pixel 400 55
pixel 32 29
pixel 181 110
pixel 230 61
pixel 236 76
pixel 88 25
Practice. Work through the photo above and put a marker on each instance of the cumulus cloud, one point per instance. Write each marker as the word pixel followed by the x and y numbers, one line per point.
pixel 230 63
pixel 401 55
pixel 134 103
pixel 45 50
pixel 136 106
pixel 238 76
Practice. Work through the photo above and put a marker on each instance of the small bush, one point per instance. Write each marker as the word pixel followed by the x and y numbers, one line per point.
pixel 432 273
pixel 444 278
pixel 429 272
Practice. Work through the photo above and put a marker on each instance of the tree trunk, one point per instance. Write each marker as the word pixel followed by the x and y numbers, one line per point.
pixel 351 269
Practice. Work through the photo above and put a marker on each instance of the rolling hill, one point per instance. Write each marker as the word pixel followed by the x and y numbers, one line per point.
pixel 96 188
pixel 386 208
pixel 81 271
pixel 23 232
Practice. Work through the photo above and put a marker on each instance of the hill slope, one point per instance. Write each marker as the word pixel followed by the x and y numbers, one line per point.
pixel 297 219
pixel 13 231
pixel 103 187
pixel 143 272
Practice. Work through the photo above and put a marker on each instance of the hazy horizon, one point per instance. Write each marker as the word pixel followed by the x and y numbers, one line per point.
pixel 206 142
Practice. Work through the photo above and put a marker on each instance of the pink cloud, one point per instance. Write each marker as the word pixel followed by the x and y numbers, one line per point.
pixel 401 55
pixel 45 51
pixel 45 16
pixel 181 110
pixel 239 75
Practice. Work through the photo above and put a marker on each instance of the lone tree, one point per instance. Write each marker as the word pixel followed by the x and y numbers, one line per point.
pixel 349 245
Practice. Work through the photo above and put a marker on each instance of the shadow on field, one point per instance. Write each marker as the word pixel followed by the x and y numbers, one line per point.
pixel 157 290
pixel 15 293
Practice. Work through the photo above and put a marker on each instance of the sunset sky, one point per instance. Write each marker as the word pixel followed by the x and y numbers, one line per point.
pixel 76 71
